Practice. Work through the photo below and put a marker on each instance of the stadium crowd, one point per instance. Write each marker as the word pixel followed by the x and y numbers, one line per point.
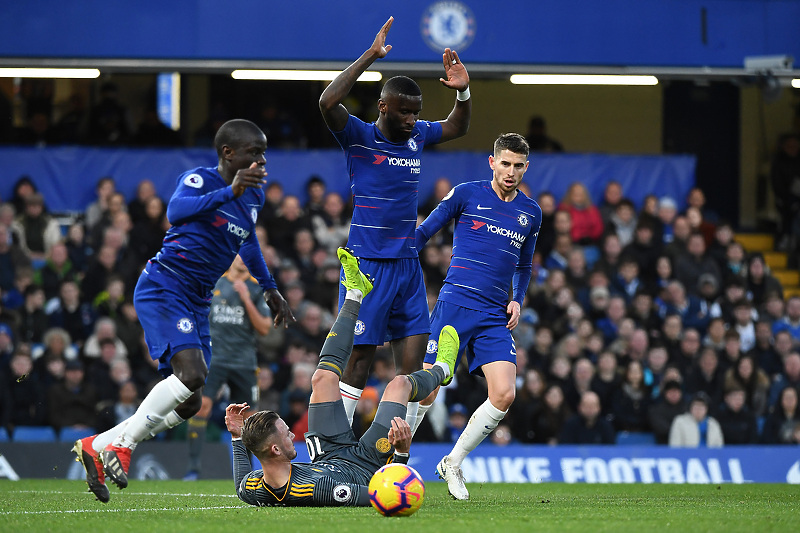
pixel 651 310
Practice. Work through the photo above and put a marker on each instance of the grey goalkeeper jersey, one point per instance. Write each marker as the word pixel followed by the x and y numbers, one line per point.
pixel 233 337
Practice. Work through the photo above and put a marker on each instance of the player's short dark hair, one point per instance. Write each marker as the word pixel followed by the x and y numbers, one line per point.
pixel 513 142
pixel 401 85
pixel 235 133
pixel 258 429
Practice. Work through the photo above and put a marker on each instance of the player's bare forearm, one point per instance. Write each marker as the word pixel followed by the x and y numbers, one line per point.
pixel 279 307
pixel 330 102
pixel 457 122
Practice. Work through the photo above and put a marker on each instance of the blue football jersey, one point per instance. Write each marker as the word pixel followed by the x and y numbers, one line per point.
pixel 493 245
pixel 209 227
pixel 384 179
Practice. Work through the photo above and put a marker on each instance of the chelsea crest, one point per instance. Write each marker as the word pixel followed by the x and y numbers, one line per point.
pixel 448 25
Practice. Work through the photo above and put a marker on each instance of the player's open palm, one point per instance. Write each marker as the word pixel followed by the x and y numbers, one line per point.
pixel 253 176
pixel 456 75
pixel 379 46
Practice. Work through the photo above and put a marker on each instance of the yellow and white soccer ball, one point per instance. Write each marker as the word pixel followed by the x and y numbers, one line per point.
pixel 396 490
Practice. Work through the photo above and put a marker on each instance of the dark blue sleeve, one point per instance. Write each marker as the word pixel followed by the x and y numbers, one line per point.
pixel 254 259
pixel 187 202
pixel 522 275
pixel 450 206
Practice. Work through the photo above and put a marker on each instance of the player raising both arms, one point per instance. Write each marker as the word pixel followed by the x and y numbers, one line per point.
pixel 384 167
pixel 341 466
pixel 213 214
pixel 495 235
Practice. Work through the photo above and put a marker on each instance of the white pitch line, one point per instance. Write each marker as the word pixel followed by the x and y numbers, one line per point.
pixel 75 511
pixel 135 493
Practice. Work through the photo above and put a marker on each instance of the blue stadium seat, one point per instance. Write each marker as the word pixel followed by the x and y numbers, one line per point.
pixel 34 434
pixel 626 438
pixel 4 436
pixel 73 434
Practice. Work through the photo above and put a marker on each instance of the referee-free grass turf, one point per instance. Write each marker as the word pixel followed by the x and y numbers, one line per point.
pixel 174 506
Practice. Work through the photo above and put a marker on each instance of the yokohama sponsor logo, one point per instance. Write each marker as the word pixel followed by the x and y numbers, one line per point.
pixel 403 162
pixel 238 231
pixel 503 232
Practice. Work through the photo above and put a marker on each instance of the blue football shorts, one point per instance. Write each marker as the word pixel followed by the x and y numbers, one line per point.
pixel 172 319
pixel 397 306
pixel 483 336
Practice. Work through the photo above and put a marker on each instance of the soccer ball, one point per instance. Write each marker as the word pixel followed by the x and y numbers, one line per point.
pixel 396 490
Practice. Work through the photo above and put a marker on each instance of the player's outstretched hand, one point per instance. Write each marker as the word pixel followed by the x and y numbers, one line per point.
pixel 400 435
pixel 456 75
pixel 235 414
pixel 248 177
pixel 379 46
pixel 279 307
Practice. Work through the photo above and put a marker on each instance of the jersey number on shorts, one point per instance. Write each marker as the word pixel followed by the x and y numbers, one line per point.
pixel 314 447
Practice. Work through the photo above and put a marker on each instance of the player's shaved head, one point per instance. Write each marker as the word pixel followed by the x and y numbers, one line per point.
pixel 235 134
pixel 513 142
pixel 257 431
pixel 400 85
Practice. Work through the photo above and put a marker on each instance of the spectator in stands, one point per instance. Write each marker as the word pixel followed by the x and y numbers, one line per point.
pixel 655 367
pixel 104 328
pixel 688 350
pixel 547 420
pixel 99 374
pixel 731 352
pixel 69 313
pixel 315 193
pixel 764 352
pixel 695 263
pixel 332 224
pixel 695 429
pixel 715 334
pixel 56 343
pixel 667 210
pixel 542 350
pixel 577 275
pixel 298 392
pixel 7 216
pixel 12 259
pixel 718 248
pixel 38 230
pixel 104 188
pixel 56 270
pixel 149 230
pixel 588 427
pixel 587 225
pixel 33 319
pixel 6 344
pixel 582 375
pixel 309 330
pixel 744 325
pixel 301 254
pixel 705 376
pixel 752 380
pixel 732 292
pixel 615 313
pixel 612 196
pixel 696 199
pixel 790 322
pixel 111 413
pixel 547 231
pixel 693 314
pixel 737 421
pixel 537 137
pixel 96 232
pixel 528 398
pixel 700 225
pixel 790 377
pixel 108 120
pixel 108 302
pixel 773 309
pixel 708 291
pixel 785 178
pixel 610 253
pixel 680 235
pixel 645 250
pixel 626 282
pixel 289 220
pixel 78 249
pixel 103 265
pixel 668 406
pixel 632 400
pixel 23 188
pixel 783 422
pixel 269 396
pixel 734 264
pixel 24 398
pixel 623 222
pixel 137 207
pixel 557 260
pixel 72 401
pixel 759 281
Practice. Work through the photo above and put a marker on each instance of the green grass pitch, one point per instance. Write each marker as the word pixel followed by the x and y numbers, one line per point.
pixel 175 506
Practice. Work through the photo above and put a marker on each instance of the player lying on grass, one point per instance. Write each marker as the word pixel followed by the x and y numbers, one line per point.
pixel 341 466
